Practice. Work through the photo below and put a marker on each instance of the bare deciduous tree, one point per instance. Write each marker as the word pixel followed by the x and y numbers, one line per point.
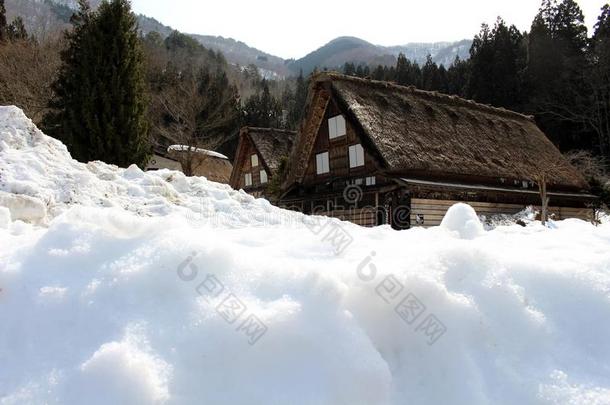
pixel 196 109
pixel 595 170
pixel 27 71
pixel 545 176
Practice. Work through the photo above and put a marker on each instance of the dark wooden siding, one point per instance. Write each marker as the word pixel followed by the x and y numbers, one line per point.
pixel 338 152
pixel 433 211
pixel 246 167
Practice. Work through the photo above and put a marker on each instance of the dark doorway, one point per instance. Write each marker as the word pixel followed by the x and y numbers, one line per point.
pixel 401 210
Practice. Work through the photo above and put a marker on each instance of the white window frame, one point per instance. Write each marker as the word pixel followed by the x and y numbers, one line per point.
pixel 322 163
pixel 254 160
pixel 263 175
pixel 370 181
pixel 248 179
pixel 337 127
pixel 356 156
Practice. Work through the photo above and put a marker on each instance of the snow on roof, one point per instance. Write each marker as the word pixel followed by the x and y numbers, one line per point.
pixel 197 150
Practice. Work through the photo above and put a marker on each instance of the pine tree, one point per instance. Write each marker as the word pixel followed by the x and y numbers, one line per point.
pixel 402 70
pixel 599 79
pixel 263 110
pixel 349 69
pixel 555 73
pixel 431 79
pixel 16 30
pixel 359 71
pixel 300 98
pixel 99 93
pixel 3 26
pixel 378 73
pixel 497 61
pixel 457 77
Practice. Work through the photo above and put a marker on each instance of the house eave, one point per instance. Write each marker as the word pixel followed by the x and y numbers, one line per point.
pixel 480 187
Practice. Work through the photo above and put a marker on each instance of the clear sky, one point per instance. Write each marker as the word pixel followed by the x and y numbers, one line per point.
pixel 288 31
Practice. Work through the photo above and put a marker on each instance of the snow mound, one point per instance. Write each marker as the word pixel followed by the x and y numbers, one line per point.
pixel 463 220
pixel 5 217
pixel 39 180
pixel 155 288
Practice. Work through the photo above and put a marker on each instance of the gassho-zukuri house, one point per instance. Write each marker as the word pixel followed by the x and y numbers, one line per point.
pixel 377 153
pixel 258 159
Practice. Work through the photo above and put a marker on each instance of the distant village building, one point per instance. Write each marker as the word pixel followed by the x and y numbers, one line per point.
pixel 201 162
pixel 158 162
pixel 377 153
pixel 259 157
pixel 194 162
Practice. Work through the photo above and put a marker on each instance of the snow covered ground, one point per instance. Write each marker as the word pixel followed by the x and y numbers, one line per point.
pixel 119 286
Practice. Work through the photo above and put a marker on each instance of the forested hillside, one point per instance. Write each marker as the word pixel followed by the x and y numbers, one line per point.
pixel 356 51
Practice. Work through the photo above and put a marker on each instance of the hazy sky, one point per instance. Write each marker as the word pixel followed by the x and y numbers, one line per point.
pixel 277 27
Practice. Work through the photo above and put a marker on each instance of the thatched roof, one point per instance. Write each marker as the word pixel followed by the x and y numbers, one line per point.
pixel 272 145
pixel 428 134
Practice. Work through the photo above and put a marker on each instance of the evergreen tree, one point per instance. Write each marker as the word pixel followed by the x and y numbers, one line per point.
pixel 3 26
pixel 555 73
pixel 569 26
pixel 263 110
pixel 431 77
pixel 406 72
pixel 300 99
pixel 359 71
pixel 16 30
pixel 443 77
pixel 349 69
pixel 99 93
pixel 599 78
pixel 497 61
pixel 402 70
pixel 378 73
pixel 457 77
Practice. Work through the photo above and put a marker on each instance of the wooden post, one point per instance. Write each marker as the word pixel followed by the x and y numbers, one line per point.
pixel 545 201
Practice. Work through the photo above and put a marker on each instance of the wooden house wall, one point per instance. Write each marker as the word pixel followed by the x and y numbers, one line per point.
pixel 338 152
pixel 433 211
pixel 246 167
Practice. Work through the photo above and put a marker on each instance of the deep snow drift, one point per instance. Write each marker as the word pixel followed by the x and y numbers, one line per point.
pixel 119 286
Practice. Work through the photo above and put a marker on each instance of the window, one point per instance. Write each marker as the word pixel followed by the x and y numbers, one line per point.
pixel 322 166
pixel 336 127
pixel 370 181
pixel 356 156
pixel 263 177
pixel 248 179
pixel 254 160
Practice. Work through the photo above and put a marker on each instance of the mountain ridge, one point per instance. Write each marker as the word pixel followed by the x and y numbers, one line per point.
pixel 44 16
pixel 358 51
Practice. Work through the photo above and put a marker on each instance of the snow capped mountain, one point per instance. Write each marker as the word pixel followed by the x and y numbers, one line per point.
pixel 343 50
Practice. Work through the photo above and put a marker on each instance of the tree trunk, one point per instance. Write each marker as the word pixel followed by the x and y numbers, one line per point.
pixel 545 202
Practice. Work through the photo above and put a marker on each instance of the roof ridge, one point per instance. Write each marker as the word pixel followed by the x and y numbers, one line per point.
pixel 263 129
pixel 321 76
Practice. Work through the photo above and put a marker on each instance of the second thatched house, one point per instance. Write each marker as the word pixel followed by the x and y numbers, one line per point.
pixel 260 157
pixel 377 153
